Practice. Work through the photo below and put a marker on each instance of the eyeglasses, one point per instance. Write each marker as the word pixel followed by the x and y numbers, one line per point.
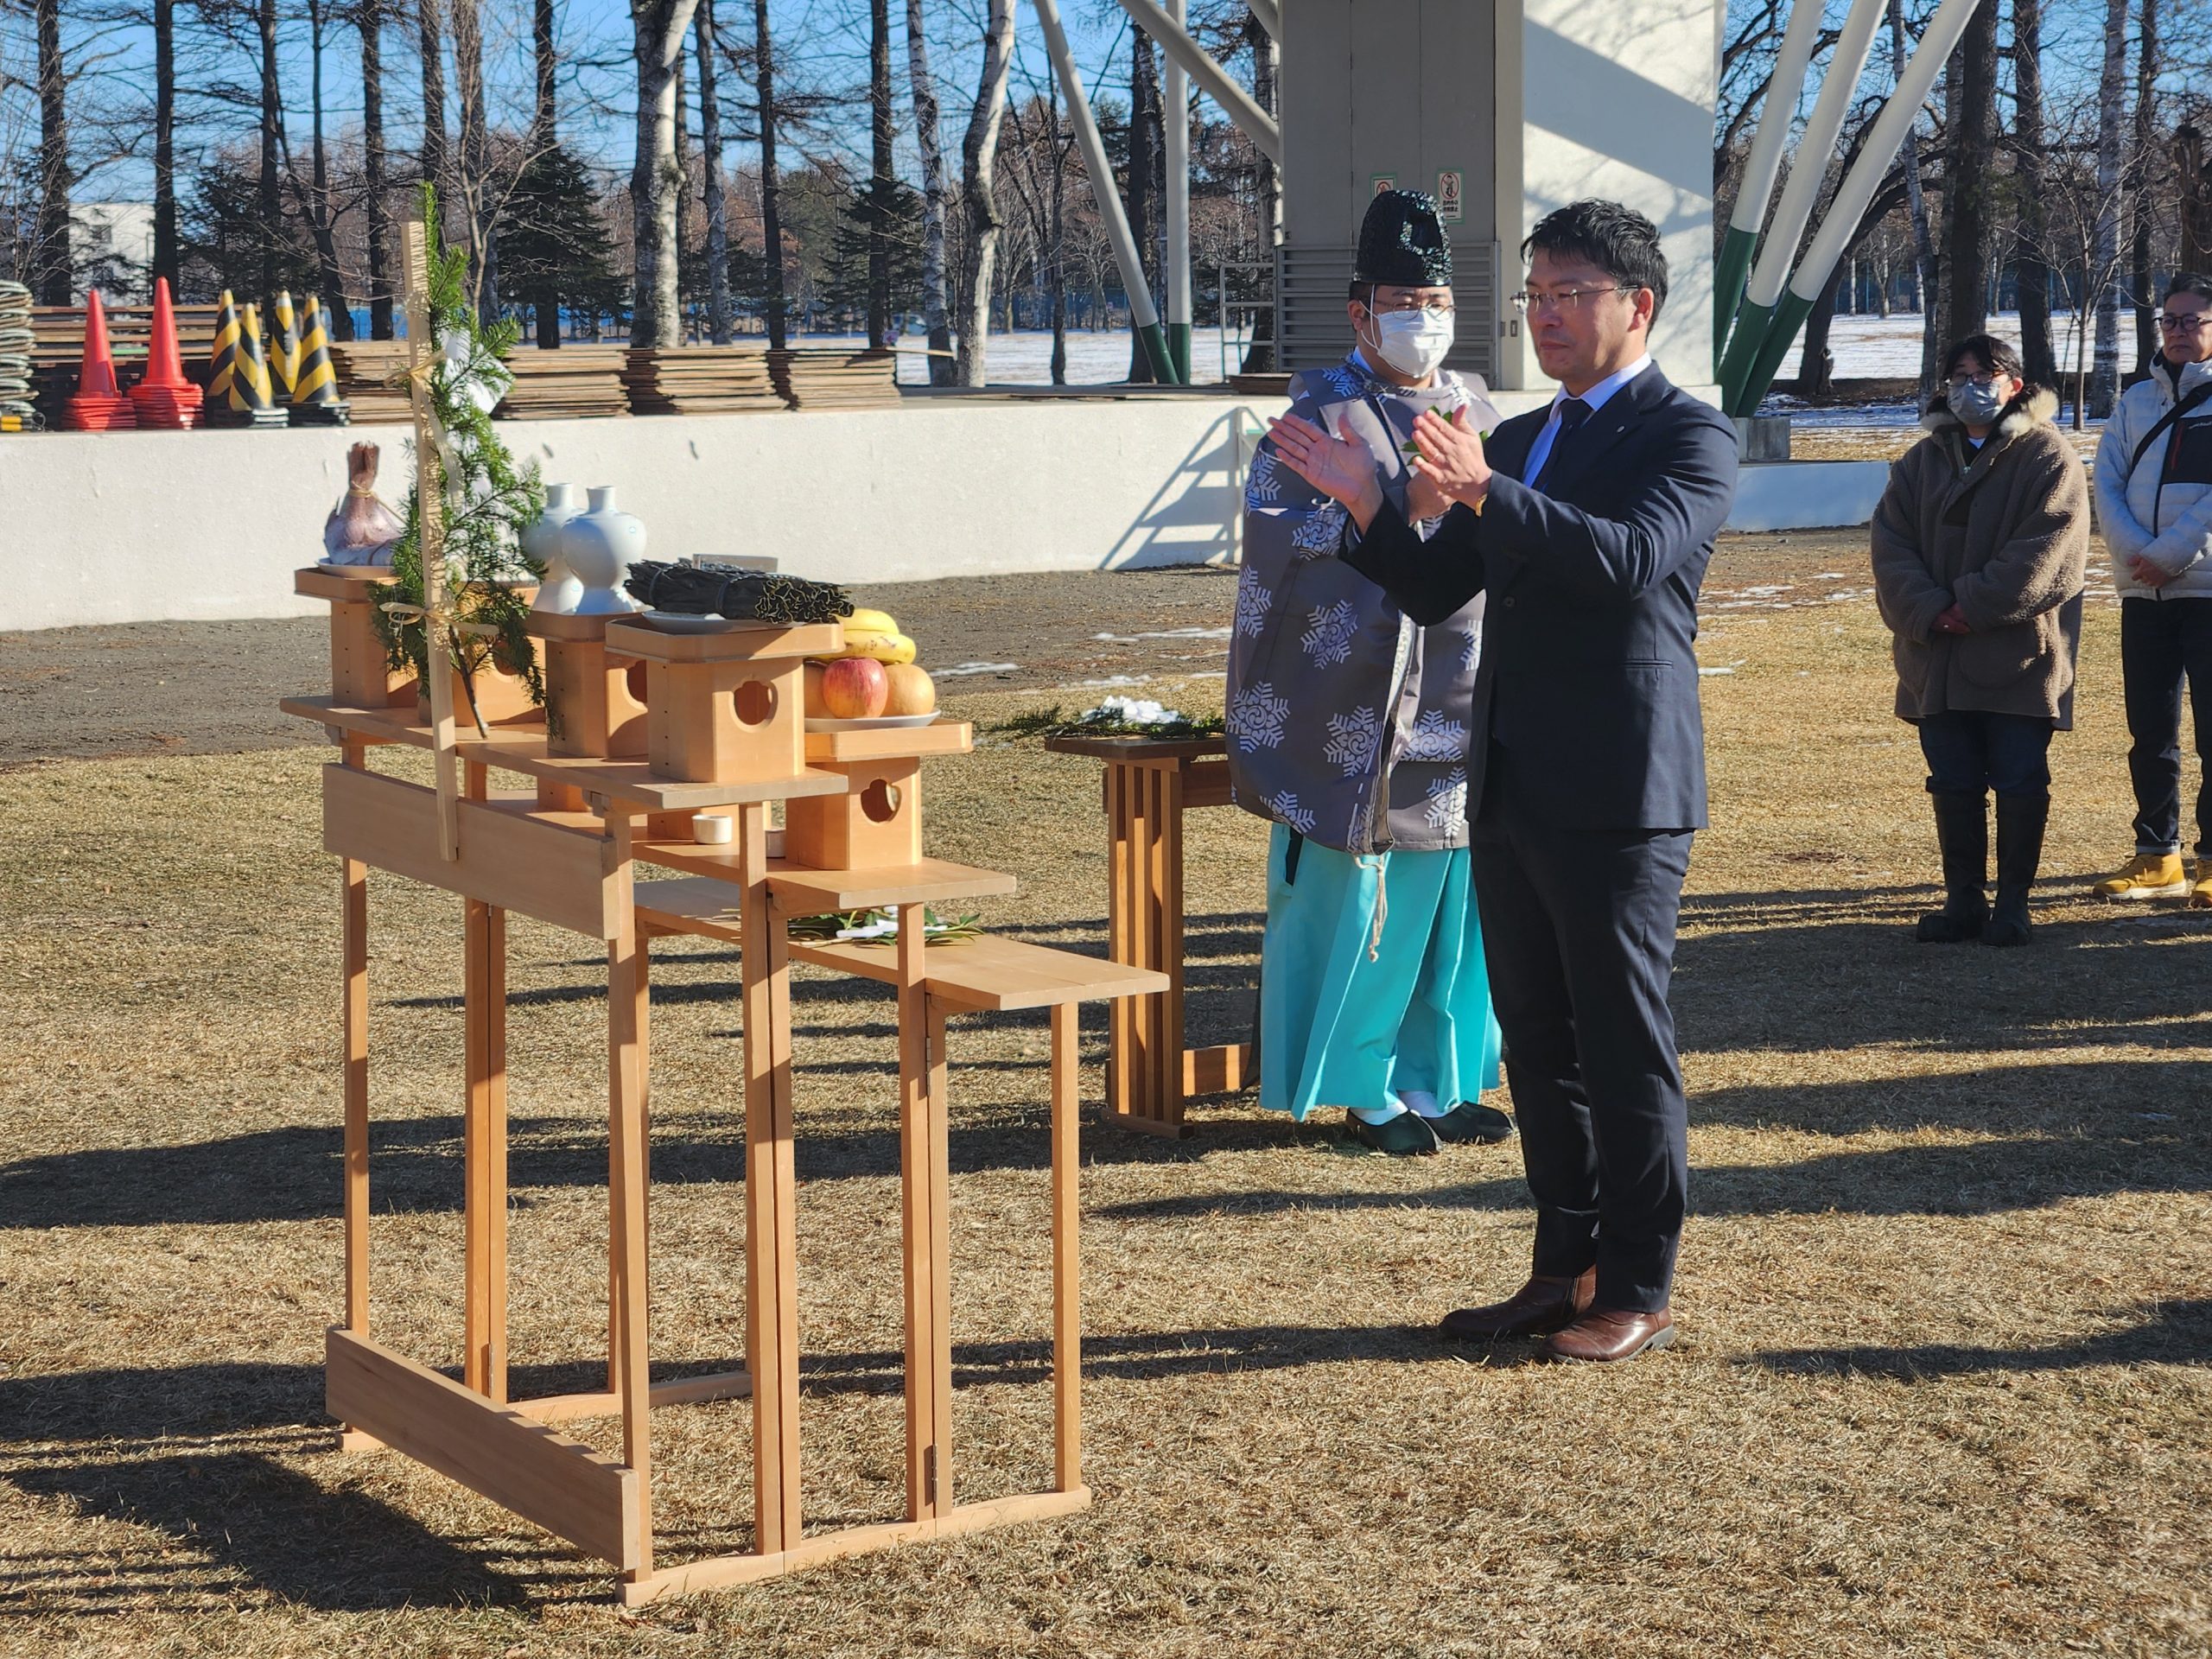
pixel 1961 382
pixel 2182 325
pixel 1440 307
pixel 1567 301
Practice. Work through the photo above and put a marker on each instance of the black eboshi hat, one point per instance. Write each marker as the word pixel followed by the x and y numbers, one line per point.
pixel 1402 242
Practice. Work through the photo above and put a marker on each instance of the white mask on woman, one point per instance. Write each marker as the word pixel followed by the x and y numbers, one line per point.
pixel 1413 342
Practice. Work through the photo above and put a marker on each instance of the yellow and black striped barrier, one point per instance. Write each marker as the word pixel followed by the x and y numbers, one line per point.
pixel 249 401
pixel 283 347
pixel 315 401
pixel 224 358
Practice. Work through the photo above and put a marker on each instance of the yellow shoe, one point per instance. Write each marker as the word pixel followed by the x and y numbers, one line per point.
pixel 2200 896
pixel 2148 875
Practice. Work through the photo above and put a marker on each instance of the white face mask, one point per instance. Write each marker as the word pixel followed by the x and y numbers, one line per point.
pixel 1412 342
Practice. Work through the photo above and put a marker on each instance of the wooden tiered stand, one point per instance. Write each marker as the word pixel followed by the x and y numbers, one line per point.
pixel 1149 784
pixel 720 727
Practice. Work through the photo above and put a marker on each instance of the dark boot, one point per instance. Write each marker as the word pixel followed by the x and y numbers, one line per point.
pixel 1962 833
pixel 2020 820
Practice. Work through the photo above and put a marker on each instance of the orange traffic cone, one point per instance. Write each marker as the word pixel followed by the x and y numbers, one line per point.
pixel 163 398
pixel 96 405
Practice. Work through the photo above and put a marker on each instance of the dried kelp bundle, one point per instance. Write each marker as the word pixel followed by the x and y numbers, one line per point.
pixel 725 591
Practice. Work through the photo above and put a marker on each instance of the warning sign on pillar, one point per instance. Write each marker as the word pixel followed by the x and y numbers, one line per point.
pixel 1383 182
pixel 1451 201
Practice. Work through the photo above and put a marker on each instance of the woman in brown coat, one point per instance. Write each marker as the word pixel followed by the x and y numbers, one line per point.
pixel 1979 545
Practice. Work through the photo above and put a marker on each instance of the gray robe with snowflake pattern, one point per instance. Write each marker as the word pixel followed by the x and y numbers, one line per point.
pixel 1347 721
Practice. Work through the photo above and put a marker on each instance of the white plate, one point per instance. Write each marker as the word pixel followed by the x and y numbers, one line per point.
pixel 880 724
pixel 685 622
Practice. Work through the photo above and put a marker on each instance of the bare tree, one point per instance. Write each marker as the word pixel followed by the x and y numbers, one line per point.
pixel 2110 98
pixel 546 60
pixel 1146 181
pixel 272 139
pixel 1969 177
pixel 981 223
pixel 772 227
pixel 2030 270
pixel 1923 242
pixel 166 260
pixel 935 311
pixel 710 155
pixel 368 17
pixel 316 198
pixel 656 187
pixel 429 35
pixel 478 190
pixel 2146 157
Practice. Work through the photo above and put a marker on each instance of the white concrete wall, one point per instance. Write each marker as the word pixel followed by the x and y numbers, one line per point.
pixel 154 527
pixel 1615 99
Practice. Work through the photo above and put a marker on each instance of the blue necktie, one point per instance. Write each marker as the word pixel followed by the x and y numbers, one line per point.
pixel 1572 412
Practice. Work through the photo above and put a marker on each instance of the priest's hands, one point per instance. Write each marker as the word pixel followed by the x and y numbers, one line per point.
pixel 1452 455
pixel 1341 468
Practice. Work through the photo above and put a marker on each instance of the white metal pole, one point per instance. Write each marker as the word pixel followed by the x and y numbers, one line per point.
pixel 1175 114
pixel 1811 165
pixel 1217 82
pixel 1764 165
pixel 1142 313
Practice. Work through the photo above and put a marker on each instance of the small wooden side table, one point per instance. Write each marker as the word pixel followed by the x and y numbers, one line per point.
pixel 1149 784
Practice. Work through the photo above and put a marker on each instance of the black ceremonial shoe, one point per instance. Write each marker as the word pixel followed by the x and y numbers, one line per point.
pixel 1405 1135
pixel 1469 1124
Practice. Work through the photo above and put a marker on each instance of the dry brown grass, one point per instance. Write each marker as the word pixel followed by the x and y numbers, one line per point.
pixel 1944 1386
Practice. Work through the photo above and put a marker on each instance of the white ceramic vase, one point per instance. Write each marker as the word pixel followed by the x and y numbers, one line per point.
pixel 599 546
pixel 544 542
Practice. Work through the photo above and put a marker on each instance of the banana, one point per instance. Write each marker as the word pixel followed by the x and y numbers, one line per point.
pixel 870 622
pixel 885 645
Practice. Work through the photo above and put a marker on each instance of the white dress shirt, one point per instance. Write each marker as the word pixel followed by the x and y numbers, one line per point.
pixel 1540 451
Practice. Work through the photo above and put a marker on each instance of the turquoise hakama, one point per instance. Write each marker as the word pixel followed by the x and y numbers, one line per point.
pixel 1348 1019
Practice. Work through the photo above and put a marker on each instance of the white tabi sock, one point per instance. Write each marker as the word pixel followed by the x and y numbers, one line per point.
pixel 1373 1114
pixel 1421 1103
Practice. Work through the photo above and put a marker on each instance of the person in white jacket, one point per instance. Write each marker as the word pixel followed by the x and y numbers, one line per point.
pixel 2153 485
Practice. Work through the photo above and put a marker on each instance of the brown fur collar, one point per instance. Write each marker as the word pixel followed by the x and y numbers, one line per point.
pixel 2034 406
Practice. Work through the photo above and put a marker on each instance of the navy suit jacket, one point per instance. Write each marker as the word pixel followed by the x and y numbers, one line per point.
pixel 1588 676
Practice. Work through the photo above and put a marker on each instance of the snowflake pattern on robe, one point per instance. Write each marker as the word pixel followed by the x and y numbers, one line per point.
pixel 1253 599
pixel 1323 530
pixel 1446 800
pixel 1471 648
pixel 1329 632
pixel 1435 737
pixel 1285 808
pixel 1262 486
pixel 1343 382
pixel 1258 719
pixel 1352 740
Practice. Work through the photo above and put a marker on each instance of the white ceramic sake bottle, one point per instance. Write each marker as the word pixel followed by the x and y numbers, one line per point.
pixel 544 542
pixel 599 546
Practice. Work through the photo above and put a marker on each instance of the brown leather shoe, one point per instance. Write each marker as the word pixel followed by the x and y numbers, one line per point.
pixel 1609 1333
pixel 1543 1304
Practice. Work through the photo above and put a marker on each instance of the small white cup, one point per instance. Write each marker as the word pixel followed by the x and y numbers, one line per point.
pixel 710 829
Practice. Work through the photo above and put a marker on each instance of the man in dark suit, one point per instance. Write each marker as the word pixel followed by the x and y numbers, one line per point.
pixel 1588 523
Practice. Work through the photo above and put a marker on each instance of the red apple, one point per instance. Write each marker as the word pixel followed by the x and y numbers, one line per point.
pixel 854 688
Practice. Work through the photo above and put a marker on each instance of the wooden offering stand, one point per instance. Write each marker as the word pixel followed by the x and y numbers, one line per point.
pixel 1149 784
pixel 721 728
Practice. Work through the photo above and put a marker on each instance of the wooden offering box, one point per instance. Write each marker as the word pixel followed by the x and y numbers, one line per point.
pixel 725 708
pixel 359 677
pixel 588 695
pixel 878 820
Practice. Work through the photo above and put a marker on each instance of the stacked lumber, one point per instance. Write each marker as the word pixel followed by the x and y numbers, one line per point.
pixel 826 378
pixel 569 383
pixel 366 370
pixel 699 379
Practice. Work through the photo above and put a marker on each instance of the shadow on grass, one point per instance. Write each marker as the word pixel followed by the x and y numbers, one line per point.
pixel 2169 1333
pixel 416 1164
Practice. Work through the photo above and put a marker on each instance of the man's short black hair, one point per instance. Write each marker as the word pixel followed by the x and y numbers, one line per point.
pixel 1619 240
pixel 1995 356
pixel 2187 282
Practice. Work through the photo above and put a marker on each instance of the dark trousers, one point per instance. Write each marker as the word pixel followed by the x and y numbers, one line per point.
pixel 1578 929
pixel 1971 752
pixel 2163 643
